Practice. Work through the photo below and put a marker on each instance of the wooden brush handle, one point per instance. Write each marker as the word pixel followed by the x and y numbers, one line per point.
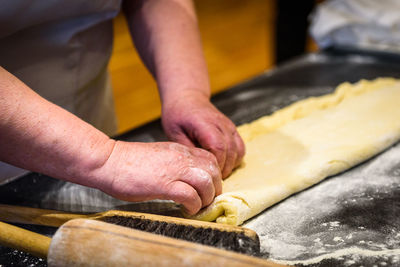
pixel 21 239
pixel 94 243
pixel 54 218
pixel 26 215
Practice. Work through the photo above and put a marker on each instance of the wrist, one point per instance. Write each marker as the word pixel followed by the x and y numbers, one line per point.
pixel 93 170
pixel 174 97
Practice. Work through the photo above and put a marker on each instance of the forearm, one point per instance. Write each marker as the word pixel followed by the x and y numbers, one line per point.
pixel 40 136
pixel 166 35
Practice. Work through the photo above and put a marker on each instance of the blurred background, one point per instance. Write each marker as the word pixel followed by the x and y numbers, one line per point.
pixel 240 39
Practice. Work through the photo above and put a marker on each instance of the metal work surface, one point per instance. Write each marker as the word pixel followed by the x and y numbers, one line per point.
pixel 351 219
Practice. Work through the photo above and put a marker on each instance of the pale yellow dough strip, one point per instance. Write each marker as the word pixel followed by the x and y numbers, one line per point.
pixel 306 142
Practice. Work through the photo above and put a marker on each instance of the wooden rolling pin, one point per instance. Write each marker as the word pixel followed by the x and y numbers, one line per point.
pixel 82 242
pixel 229 237
pixel 24 240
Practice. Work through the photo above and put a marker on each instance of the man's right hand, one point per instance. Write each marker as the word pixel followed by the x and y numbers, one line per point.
pixel 165 170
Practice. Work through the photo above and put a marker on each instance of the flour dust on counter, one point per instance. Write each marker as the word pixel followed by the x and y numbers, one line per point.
pixel 12 257
pixel 351 219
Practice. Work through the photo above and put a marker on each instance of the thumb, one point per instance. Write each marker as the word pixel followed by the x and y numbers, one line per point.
pixel 181 138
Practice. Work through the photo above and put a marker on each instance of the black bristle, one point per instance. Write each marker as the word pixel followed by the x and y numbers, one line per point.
pixel 237 242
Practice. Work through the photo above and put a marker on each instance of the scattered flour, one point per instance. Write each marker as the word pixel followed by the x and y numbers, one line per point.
pixel 351 218
pixel 338 239
pixel 355 252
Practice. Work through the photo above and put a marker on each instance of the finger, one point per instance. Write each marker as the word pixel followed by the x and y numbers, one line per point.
pixel 210 164
pixel 181 138
pixel 212 140
pixel 216 176
pixel 184 194
pixel 230 154
pixel 240 148
pixel 202 182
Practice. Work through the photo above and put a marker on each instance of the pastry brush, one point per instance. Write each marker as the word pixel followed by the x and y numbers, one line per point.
pixel 224 236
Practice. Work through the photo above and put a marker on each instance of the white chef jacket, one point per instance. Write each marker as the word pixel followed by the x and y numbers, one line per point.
pixel 60 49
pixel 358 24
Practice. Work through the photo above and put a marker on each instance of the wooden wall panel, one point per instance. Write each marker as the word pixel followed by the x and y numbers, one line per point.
pixel 238 43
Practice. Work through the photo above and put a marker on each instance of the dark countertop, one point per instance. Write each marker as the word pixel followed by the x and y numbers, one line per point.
pixel 351 219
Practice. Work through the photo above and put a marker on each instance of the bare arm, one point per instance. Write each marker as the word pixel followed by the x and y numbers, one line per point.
pixel 166 35
pixel 40 136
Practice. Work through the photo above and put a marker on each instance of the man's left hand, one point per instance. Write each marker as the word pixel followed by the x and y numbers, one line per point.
pixel 193 120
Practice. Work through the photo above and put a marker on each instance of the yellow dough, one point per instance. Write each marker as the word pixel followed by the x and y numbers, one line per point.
pixel 302 144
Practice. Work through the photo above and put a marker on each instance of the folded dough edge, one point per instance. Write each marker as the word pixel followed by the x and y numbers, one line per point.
pixel 233 208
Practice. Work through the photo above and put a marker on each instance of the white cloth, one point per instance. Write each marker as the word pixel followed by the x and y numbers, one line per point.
pixel 362 24
pixel 60 49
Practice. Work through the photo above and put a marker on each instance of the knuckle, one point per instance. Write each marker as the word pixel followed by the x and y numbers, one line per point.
pixel 219 146
pixel 203 183
pixel 196 176
pixel 202 177
pixel 184 172
pixel 210 157
pixel 206 183
pixel 217 174
pixel 214 166
pixel 232 128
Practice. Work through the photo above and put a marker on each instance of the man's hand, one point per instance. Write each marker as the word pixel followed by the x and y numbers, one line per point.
pixel 144 171
pixel 193 121
pixel 168 40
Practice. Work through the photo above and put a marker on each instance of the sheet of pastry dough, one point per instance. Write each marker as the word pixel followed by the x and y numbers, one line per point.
pixel 306 142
